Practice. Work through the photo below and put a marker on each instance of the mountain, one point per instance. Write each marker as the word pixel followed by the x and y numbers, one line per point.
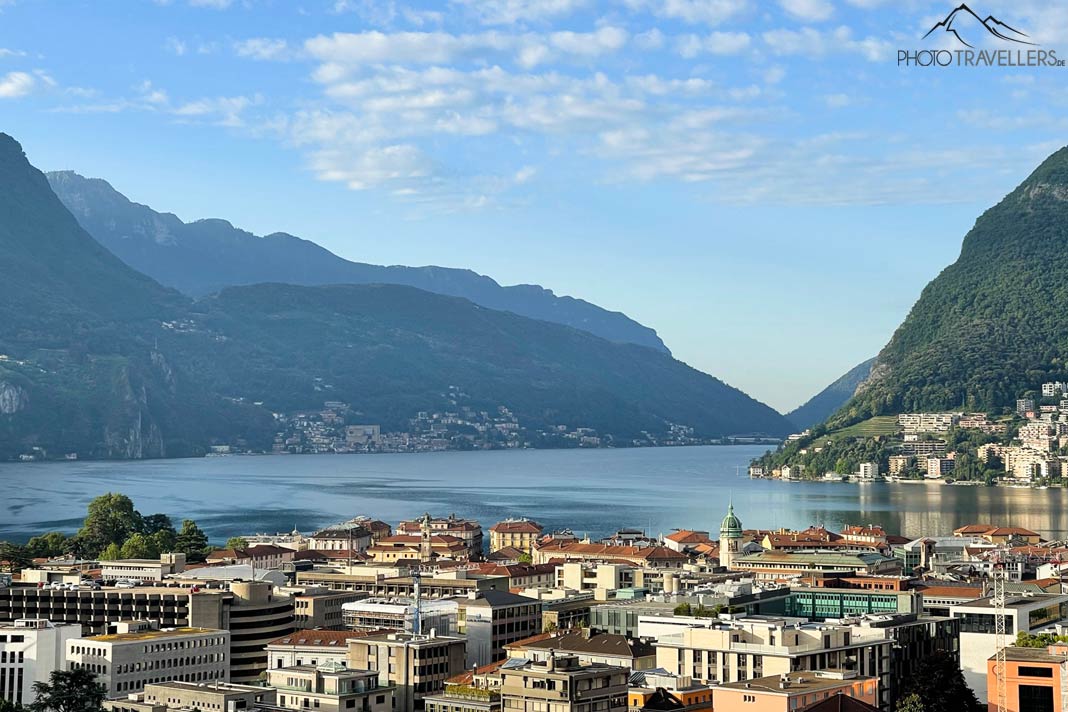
pixel 992 326
pixel 202 257
pixel 962 20
pixel 822 405
pixel 100 360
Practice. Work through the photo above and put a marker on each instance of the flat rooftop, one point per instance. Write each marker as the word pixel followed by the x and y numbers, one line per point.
pixel 154 635
pixel 800 682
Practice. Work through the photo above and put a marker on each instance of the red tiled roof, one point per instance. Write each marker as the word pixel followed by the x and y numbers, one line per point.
pixel 686 536
pixel 321 638
pixel 608 550
pixel 517 527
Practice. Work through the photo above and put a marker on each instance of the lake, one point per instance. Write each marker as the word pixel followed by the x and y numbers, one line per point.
pixel 594 491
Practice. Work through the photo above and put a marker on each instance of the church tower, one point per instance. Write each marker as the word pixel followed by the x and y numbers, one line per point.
pixel 426 551
pixel 730 538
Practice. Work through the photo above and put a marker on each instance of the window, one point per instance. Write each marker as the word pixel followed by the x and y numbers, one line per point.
pixel 1029 671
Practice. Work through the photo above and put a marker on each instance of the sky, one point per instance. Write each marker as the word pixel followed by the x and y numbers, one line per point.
pixel 758 180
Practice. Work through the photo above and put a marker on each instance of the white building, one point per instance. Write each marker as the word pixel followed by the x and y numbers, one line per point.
pixel 399 614
pixel 143 569
pixel 30 651
pixel 868 470
pixel 139 655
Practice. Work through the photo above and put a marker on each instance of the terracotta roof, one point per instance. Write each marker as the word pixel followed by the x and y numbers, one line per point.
pixel 522 526
pixel 508 553
pixel 612 551
pixel 466 678
pixel 329 555
pixel 962 592
pixel 973 529
pixel 686 536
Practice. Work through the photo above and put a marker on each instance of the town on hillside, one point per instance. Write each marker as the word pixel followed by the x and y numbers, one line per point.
pixel 437 614
pixel 1026 447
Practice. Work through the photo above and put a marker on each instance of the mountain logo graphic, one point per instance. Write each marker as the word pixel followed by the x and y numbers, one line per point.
pixel 964 20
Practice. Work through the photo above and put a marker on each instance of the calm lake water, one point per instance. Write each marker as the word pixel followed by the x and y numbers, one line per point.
pixel 595 491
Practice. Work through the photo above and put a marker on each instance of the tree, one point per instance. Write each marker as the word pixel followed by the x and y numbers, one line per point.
pixel 7 706
pixel 940 686
pixel 154 523
pixel 139 546
pixel 48 545
pixel 111 519
pixel 112 552
pixel 14 557
pixel 237 542
pixel 911 703
pixel 525 558
pixel 192 541
pixel 69 691
pixel 165 540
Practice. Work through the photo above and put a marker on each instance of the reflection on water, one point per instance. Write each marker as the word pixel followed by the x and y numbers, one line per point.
pixel 594 491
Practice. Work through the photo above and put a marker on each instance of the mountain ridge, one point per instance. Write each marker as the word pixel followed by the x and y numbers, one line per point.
pixel 206 255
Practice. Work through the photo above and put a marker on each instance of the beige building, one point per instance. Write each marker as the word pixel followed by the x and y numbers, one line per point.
pixel 563 684
pixel 321 608
pixel 467 531
pixel 416 665
pixel 142 569
pixel 330 688
pixel 519 534
pixel 139 655
pixel 177 695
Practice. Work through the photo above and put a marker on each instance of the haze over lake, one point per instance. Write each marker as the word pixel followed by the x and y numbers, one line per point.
pixel 594 491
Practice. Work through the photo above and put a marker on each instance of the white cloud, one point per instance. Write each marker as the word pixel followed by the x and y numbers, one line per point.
pixel 510 12
pixel 808 10
pixel 837 101
pixel 4 52
pixel 16 84
pixel 176 46
pixel 263 48
pixel 810 42
pixel 709 12
pixel 221 110
pixel 720 43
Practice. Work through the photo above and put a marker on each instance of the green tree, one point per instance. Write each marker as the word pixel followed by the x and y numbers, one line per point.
pixel 192 541
pixel 111 519
pixel 69 691
pixel 8 706
pixel 911 703
pixel 156 523
pixel 165 540
pixel 112 552
pixel 14 557
pixel 939 684
pixel 525 558
pixel 237 542
pixel 139 546
pixel 48 545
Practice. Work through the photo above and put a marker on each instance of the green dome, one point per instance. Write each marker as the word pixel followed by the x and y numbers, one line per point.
pixel 732 525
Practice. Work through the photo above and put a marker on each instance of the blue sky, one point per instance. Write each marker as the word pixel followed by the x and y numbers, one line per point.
pixel 756 179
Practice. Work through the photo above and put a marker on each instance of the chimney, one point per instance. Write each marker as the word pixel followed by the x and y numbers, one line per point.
pixel 550 663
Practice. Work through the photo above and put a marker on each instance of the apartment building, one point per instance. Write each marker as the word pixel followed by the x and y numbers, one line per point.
pixel 143 569
pixel 787 693
pixel 468 531
pixel 588 647
pixel 646 556
pixel 440 615
pixel 416 665
pixel 138 655
pixel 178 695
pixel 779 565
pixel 742 649
pixel 519 534
pixel 30 651
pixel 322 608
pixel 1035 679
pixel 330 688
pixel 494 619
pixel 563 684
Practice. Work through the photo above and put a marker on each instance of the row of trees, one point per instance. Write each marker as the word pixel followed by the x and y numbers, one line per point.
pixel 65 691
pixel 113 529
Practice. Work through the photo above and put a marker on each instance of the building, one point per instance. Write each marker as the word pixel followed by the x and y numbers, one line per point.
pixel 252 611
pixel 741 649
pixel 416 665
pixel 868 471
pixel 730 538
pixel 138 655
pixel 401 548
pixel 600 578
pixel 782 565
pixel 322 608
pixel 467 531
pixel 657 691
pixel 519 534
pixel 820 604
pixel 178 695
pixel 900 463
pixel 589 647
pixel 30 651
pixel 939 467
pixel 399 614
pixel 493 619
pixel 477 690
pixel 1025 406
pixel 330 687
pixel 644 555
pixel 382 585
pixel 348 536
pixel 927 422
pixel 1035 679
pixel 563 684
pixel 790 692
pixel 687 540
pixel 262 556
pixel 143 569
pixel 310 647
pixel 1023 614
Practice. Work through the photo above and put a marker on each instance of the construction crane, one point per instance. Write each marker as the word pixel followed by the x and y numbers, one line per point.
pixel 997 601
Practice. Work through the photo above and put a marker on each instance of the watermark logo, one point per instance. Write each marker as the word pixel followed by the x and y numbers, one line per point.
pixel 968 28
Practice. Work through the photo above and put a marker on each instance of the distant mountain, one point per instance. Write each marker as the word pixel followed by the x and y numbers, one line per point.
pixel 991 326
pixel 822 405
pixel 99 360
pixel 202 257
